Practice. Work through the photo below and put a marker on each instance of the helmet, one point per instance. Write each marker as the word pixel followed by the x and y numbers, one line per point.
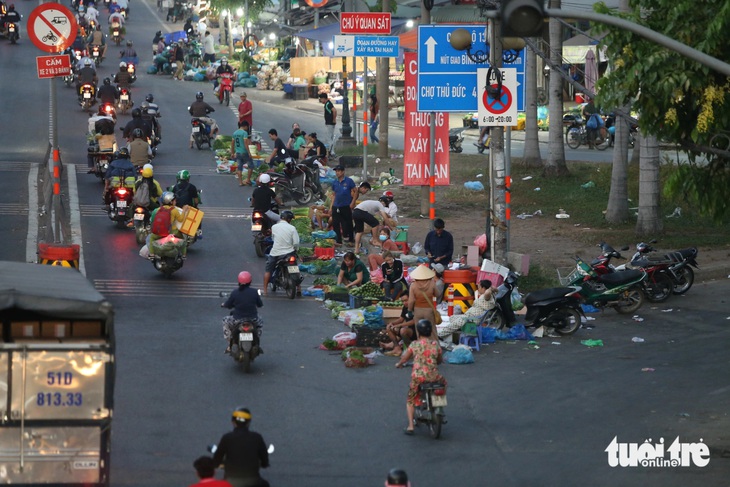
pixel 147 172
pixel 137 133
pixel 129 43
pixel 424 327
pixel 241 415
pixel 244 277
pixel 136 113
pixel 199 95
pixel 11 7
pixel 87 62
pixel 167 198
pixel 389 194
pixel 397 477
pixel 107 81
pixel 385 200
pixel 123 65
pixel 183 175
pixel 224 60
pixel 149 98
pixel 264 179
pixel 123 153
pixel 287 215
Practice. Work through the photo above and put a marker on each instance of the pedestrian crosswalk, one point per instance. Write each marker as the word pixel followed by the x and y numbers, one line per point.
pixel 210 212
pixel 18 209
pixel 14 166
pixel 170 287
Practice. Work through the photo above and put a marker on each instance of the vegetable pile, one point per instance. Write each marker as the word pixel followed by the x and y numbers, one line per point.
pixel 391 304
pixel 368 290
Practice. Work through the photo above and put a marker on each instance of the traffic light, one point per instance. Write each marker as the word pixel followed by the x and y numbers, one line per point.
pixel 522 18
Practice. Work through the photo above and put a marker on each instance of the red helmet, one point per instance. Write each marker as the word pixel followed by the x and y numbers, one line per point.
pixel 389 194
pixel 244 277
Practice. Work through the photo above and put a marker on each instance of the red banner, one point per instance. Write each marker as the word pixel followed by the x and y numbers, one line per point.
pixel 417 148
pixel 365 22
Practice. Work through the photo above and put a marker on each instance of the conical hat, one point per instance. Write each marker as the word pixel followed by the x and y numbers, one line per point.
pixel 423 273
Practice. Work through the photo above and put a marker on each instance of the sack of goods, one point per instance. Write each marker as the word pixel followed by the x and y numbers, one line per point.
pixel 167 247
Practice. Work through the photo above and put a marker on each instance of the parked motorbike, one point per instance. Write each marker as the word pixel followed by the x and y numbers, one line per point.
pixel 677 265
pixel 620 290
pixel 88 96
pixel 576 135
pixel 658 284
pixel 286 275
pixel 225 87
pixel 558 308
pixel 125 100
pixel 298 182
pixel 201 133
pixel 456 137
pixel 120 206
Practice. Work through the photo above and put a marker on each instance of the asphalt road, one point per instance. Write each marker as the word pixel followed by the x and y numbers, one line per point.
pixel 517 416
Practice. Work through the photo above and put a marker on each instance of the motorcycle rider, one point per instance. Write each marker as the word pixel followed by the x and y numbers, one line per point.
pixel 101 127
pixel 12 16
pixel 92 13
pixel 87 74
pixel 224 68
pixel 185 192
pixel 262 196
pixel 286 241
pixel 140 152
pixel 108 94
pixel 243 302
pixel 137 122
pixel 426 354
pixel 119 173
pixel 154 187
pixel 242 452
pixel 122 78
pixel 129 54
pixel 97 38
pixel 397 478
pixel 199 109
pixel 116 20
pixel 167 201
pixel 150 113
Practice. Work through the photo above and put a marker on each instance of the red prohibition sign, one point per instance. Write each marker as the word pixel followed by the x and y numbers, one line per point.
pixel 499 105
pixel 316 3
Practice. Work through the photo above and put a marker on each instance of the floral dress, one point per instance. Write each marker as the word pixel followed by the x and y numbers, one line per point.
pixel 426 353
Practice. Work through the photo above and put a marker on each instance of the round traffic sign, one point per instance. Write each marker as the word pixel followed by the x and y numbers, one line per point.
pixel 500 104
pixel 52 27
pixel 316 3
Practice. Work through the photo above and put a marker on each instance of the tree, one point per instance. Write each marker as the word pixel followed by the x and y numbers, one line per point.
pixel 555 163
pixel 649 221
pixel 532 144
pixel 680 100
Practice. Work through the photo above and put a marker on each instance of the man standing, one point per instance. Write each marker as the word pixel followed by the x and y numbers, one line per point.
pixel 286 241
pixel 330 121
pixel 439 244
pixel 239 151
pixel 208 48
pixel 245 111
pixel 341 211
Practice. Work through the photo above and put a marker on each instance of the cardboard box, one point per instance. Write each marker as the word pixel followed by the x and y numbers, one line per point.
pixel 55 329
pixel 193 217
pixel 392 312
pixel 25 329
pixel 86 329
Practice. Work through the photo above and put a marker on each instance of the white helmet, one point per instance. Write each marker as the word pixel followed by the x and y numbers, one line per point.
pixel 264 179
pixel 122 64
pixel 87 62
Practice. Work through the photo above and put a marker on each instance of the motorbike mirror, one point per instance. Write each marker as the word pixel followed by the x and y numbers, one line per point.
pixel 212 448
pixel 223 294
pixel 259 291
pixel 271 449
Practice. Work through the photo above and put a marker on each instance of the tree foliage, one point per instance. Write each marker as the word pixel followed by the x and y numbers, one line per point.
pixel 255 7
pixel 681 100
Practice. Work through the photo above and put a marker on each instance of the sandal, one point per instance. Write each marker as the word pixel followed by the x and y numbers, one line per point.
pixel 228 351
pixel 408 432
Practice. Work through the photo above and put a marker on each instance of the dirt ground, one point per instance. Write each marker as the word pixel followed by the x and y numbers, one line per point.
pixel 551 242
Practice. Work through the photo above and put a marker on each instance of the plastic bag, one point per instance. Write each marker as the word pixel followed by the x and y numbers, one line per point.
pixel 377 275
pixel 374 319
pixel 144 252
pixel 352 317
pixel 489 335
pixel 518 332
pixel 516 297
pixel 345 339
pixel 461 354
pixel 474 185
pixel 416 249
pixel 481 242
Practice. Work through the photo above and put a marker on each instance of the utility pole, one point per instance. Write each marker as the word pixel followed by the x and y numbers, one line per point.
pixel 497 170
pixel 426 189
pixel 382 84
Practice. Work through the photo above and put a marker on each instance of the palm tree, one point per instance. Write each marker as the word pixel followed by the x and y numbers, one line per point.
pixel 555 163
pixel 649 221
pixel 532 147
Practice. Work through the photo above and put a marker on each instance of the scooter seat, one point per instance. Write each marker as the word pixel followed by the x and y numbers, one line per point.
pixel 428 386
pixel 680 255
pixel 621 277
pixel 547 294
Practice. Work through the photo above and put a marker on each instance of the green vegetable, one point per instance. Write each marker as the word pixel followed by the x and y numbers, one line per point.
pixel 325 281
pixel 305 252
pixel 330 344
pixel 368 290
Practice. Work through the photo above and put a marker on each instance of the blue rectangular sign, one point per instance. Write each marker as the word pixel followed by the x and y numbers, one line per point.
pixel 447 78
pixel 366 46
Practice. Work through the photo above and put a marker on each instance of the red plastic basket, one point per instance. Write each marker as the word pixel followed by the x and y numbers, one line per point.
pixel 324 252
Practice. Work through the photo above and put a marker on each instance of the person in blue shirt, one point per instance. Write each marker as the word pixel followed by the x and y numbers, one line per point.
pixel 243 302
pixel 439 244
pixel 341 210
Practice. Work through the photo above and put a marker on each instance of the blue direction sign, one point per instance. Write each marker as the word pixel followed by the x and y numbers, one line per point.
pixel 447 78
pixel 366 46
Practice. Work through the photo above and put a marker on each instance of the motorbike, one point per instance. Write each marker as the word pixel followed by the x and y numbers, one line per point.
pixel 142 224
pixel 576 135
pixel 121 203
pixel 132 70
pixel 87 96
pixel 558 308
pixel 96 55
pixel 298 182
pixel 261 229
pixel 12 32
pixel 194 54
pixel 456 137
pixel 225 87
pixel 117 35
pixel 676 265
pixel 611 127
pixel 430 406
pixel 620 290
pixel 201 133
pixel 286 275
pixel 170 260
pixel 125 100
pixel 658 284
pixel 483 143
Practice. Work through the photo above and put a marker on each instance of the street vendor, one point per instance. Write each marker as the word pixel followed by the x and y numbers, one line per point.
pixel 401 332
pixel 353 272
pixel 439 245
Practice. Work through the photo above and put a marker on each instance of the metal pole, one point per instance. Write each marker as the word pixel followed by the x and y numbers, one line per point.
pixel 365 120
pixel 432 170
pixel 346 127
pixel 507 186
pixel 55 168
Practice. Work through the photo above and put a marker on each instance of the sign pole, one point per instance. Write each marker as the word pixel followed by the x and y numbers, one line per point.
pixel 55 168
pixel 432 170
pixel 364 104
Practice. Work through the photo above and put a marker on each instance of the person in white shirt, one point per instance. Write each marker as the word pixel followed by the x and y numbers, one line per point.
pixel 390 208
pixel 286 241
pixel 208 48
pixel 365 213
pixel 92 13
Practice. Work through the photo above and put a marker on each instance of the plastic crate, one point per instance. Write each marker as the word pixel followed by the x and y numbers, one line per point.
pixel 359 302
pixel 339 297
pixel 401 233
pixel 403 247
